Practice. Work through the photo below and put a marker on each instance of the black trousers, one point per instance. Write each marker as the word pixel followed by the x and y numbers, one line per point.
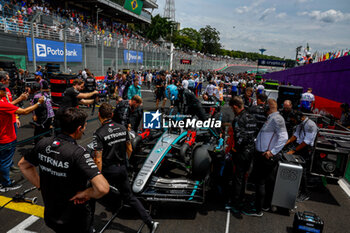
pixel 241 161
pixel 135 118
pixel 264 176
pixel 78 218
pixel 305 153
pixel 118 177
pixel 38 129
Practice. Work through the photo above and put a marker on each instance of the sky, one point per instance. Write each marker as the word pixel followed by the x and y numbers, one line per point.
pixel 279 26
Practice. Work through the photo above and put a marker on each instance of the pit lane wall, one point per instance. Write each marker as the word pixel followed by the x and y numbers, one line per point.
pixel 329 80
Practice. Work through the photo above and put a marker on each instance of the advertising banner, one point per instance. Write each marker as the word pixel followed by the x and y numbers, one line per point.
pixel 53 51
pixel 133 56
pixel 266 62
pixel 185 61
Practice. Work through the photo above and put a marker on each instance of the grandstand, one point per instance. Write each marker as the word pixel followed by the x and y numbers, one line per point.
pixel 99 31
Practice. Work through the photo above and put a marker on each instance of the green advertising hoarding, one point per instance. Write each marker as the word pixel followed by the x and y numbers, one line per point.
pixel 134 6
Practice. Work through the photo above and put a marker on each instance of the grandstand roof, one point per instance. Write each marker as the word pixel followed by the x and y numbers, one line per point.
pixel 114 8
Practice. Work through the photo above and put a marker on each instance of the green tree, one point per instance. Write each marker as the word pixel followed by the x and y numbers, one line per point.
pixel 193 35
pixel 159 27
pixel 211 40
pixel 183 42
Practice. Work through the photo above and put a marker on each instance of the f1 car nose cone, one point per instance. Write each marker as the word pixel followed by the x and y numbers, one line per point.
pixel 138 182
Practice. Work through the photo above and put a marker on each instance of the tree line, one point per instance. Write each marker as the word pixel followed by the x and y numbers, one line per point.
pixel 205 40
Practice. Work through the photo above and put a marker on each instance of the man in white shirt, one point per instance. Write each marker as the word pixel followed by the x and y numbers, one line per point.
pixel 234 87
pixel 269 142
pixel 210 89
pixel 185 83
pixel 149 79
pixel 260 89
pixel 167 78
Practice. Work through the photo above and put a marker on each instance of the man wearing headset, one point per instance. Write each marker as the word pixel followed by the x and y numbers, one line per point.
pixel 304 136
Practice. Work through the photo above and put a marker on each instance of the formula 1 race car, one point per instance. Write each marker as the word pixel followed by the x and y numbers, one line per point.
pixel 177 161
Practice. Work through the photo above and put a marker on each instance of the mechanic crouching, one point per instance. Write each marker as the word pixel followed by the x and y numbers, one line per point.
pixel 112 145
pixel 245 129
pixel 304 136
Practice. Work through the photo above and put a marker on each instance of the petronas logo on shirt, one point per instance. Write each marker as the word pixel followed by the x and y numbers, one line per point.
pixel 134 4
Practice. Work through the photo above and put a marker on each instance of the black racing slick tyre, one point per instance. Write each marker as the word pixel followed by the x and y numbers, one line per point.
pixel 201 162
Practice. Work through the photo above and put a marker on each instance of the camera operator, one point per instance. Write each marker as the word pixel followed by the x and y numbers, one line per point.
pixel 8 137
pixel 42 116
pixel 128 112
pixel 112 146
pixel 65 168
pixel 269 142
pixel 304 136
pixel 73 96
pixel 244 128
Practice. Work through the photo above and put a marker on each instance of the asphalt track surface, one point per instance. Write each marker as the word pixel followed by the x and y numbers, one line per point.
pixel 240 69
pixel 329 202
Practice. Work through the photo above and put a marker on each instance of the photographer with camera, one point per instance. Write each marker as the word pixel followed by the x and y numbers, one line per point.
pixel 112 151
pixel 65 168
pixel 42 116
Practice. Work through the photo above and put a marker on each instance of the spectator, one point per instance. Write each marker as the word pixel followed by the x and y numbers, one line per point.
pixel 247 98
pixel 8 137
pixel 307 101
pixel 134 89
pixel 42 116
pixel 121 87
